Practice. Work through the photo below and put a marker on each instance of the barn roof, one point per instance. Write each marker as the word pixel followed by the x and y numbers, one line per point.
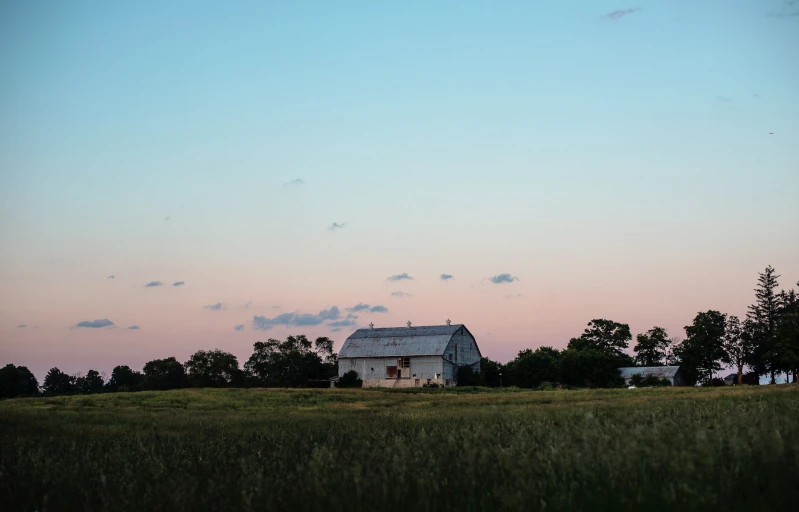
pixel 662 372
pixel 429 340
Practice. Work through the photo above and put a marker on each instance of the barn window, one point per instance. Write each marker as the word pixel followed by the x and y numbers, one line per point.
pixel 391 372
pixel 352 362
pixel 372 370
pixel 404 362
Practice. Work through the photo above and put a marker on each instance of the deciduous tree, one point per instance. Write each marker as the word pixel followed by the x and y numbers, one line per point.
pixel 651 347
pixel 17 381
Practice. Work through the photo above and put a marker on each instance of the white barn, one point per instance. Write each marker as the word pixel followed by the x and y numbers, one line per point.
pixel 399 357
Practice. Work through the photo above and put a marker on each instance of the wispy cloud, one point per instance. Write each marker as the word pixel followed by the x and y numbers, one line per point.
pixel 214 307
pixel 95 324
pixel 723 99
pixel 447 277
pixel 110 277
pixel 22 326
pixel 133 328
pixel 296 181
pixel 247 306
pixel 275 307
pixel 514 296
pixel 366 307
pixel 153 284
pixel 503 278
pixel 620 13
pixel 179 283
pixel 167 219
pixel 400 293
pixel 336 225
pixel 359 307
pixel 349 321
pixel 335 329
pixel 263 323
pixel 399 277
pixel 239 327
pixel 789 9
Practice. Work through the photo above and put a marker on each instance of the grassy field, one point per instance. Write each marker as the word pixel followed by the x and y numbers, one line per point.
pixel 442 450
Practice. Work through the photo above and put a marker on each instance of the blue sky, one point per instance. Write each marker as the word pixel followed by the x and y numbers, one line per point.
pixel 618 164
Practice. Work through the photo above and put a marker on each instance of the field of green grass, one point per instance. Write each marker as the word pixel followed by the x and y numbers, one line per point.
pixel 416 450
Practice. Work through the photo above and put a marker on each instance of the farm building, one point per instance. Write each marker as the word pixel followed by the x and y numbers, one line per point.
pixel 672 373
pixel 747 378
pixel 399 357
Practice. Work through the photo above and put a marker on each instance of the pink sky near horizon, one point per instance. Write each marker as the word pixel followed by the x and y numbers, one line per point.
pixel 547 308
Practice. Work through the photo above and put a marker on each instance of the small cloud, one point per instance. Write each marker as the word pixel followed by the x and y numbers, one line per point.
pixel 214 307
pixel 336 225
pixel 179 283
pixel 755 95
pixel 133 328
pixel 516 296
pixel 263 323
pixel 503 278
pixel 378 309
pixel 152 284
pixel 247 306
pixel 167 219
pixel 620 13
pixel 295 181
pixel 347 322
pixel 400 293
pixel 447 277
pixel 723 99
pixel 96 324
pixel 239 327
pixel 359 307
pixel 275 307
pixel 110 277
pixel 335 329
pixel 22 326
pixel 400 277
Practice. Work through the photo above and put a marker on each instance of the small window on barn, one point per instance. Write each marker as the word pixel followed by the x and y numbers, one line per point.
pixel 404 362
pixel 352 362
pixel 391 372
pixel 372 370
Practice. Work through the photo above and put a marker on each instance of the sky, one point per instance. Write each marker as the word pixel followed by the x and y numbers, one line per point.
pixel 276 166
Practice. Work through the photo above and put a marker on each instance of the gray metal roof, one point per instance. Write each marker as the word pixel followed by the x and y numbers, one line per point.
pixel 430 340
pixel 662 372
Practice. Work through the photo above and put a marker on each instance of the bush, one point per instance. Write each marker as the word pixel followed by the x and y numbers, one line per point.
pixel 640 381
pixel 349 380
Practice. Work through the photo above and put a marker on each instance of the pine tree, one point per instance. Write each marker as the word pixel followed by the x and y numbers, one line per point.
pixel 764 313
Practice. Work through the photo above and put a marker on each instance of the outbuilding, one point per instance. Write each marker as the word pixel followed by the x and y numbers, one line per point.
pixel 672 373
pixel 399 357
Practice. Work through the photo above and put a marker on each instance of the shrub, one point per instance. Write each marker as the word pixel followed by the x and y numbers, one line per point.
pixel 349 380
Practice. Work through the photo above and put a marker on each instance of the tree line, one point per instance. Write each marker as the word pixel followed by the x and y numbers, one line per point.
pixel 766 342
pixel 294 362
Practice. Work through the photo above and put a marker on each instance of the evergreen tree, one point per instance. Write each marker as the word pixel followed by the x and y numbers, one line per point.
pixel 764 313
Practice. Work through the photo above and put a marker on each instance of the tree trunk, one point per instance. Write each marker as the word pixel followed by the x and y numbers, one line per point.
pixel 773 377
pixel 740 374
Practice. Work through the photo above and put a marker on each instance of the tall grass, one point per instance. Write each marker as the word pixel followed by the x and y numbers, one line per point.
pixel 644 449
